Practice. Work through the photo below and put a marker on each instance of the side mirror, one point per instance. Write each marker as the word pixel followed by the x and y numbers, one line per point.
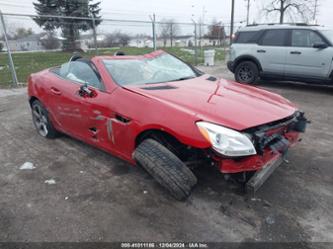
pixel 87 92
pixel 320 45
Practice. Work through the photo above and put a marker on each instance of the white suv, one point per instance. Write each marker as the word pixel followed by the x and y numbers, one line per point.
pixel 293 52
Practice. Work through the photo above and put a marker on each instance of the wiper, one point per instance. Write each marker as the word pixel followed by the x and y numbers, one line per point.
pixel 179 79
pixel 159 82
pixel 184 78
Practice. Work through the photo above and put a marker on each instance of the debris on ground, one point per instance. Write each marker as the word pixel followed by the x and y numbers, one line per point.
pixel 27 166
pixel 270 220
pixel 50 181
pixel 267 203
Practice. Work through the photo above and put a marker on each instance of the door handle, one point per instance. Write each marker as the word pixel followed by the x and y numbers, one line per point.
pixel 261 51
pixel 295 52
pixel 55 91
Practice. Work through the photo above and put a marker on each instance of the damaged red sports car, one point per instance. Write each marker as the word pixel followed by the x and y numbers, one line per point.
pixel 158 112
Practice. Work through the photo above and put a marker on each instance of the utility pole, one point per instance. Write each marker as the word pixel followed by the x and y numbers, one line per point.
pixel 202 25
pixel 195 43
pixel 153 20
pixel 171 34
pixel 232 20
pixel 11 63
pixel 94 33
pixel 248 12
pixel 315 12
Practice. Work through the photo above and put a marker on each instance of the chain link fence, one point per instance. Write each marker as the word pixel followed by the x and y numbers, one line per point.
pixel 26 48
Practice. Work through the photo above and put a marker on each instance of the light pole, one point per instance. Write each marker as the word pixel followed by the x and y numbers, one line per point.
pixel 232 20
pixel 195 42
pixel 315 12
pixel 153 22
pixel 248 12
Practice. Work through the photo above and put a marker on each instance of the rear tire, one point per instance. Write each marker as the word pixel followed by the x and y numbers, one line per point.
pixel 42 121
pixel 166 168
pixel 246 72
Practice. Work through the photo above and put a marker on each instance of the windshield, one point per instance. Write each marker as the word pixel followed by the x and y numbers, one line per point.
pixel 328 34
pixel 159 69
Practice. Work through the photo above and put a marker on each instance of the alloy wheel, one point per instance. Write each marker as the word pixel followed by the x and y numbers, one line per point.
pixel 245 74
pixel 40 120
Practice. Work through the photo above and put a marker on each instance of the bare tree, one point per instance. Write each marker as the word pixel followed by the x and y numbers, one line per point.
pixel 216 32
pixel 11 27
pixel 110 40
pixel 169 30
pixel 164 33
pixel 117 38
pixel 50 41
pixel 303 8
pixel 22 32
pixel 123 39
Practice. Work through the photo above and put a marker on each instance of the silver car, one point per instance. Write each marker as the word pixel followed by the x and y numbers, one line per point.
pixel 293 52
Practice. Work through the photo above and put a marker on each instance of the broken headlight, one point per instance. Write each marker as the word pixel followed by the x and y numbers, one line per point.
pixel 226 141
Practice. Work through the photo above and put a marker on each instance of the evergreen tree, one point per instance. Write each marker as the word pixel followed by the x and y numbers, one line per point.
pixel 70 27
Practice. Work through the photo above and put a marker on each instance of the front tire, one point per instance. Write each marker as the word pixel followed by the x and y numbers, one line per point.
pixel 166 168
pixel 42 121
pixel 246 72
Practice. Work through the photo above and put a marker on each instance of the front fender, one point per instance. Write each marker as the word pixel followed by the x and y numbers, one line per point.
pixel 246 58
pixel 193 138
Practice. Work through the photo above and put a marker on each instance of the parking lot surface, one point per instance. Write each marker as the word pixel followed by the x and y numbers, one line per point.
pixel 78 193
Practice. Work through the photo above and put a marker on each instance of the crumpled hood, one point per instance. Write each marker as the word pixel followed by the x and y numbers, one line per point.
pixel 230 104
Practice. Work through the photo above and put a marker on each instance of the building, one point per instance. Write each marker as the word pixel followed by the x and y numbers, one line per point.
pixel 141 42
pixel 28 43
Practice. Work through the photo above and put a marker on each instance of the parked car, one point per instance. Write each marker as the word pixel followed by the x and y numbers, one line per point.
pixel 158 112
pixel 293 52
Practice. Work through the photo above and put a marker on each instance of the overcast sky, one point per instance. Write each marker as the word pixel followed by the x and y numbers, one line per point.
pixel 180 10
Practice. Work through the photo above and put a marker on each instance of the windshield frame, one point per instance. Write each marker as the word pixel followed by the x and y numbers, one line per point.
pixel 151 55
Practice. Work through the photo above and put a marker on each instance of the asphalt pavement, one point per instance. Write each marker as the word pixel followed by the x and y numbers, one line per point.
pixel 74 192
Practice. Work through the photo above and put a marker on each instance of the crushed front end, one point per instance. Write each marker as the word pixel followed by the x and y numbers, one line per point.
pixel 271 142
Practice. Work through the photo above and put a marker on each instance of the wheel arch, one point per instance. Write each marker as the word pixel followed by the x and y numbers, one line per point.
pixel 32 99
pixel 247 58
pixel 156 132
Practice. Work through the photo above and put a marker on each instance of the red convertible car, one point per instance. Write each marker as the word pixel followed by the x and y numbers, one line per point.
pixel 158 112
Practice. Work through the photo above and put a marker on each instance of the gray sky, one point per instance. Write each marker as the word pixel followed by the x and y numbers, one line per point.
pixel 180 10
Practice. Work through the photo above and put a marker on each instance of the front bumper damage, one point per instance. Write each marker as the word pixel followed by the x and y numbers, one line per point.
pixel 259 178
pixel 272 142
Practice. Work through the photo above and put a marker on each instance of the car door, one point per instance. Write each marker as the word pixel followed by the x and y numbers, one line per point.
pixel 271 51
pixel 64 102
pixel 303 59
pixel 82 107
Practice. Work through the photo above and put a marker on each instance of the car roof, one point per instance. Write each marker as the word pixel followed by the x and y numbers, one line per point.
pixel 257 27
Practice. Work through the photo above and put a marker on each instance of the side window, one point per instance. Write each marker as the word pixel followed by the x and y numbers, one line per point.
pixel 274 37
pixel 80 72
pixel 304 38
pixel 245 36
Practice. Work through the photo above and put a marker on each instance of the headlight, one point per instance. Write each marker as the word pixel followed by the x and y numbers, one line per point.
pixel 226 141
